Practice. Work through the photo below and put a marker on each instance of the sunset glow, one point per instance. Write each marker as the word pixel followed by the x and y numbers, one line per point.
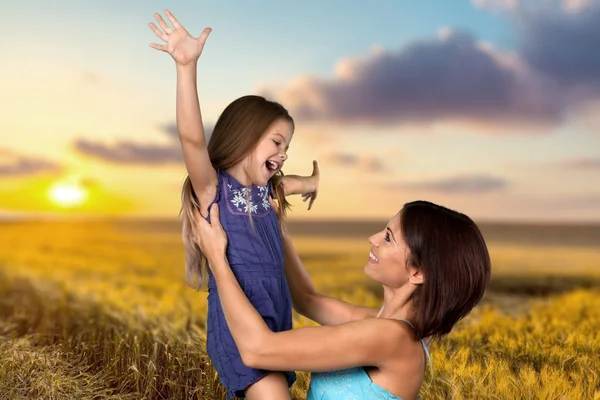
pixel 443 101
pixel 67 195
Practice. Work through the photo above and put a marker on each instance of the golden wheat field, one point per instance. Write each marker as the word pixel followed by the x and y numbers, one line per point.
pixel 100 310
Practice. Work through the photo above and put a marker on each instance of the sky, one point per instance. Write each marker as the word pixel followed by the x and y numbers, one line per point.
pixel 489 107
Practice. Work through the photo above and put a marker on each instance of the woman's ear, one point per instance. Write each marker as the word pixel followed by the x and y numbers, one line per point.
pixel 415 276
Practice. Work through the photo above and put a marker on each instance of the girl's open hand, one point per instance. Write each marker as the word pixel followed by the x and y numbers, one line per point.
pixel 313 187
pixel 183 47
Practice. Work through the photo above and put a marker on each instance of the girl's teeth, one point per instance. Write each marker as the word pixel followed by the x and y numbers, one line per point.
pixel 372 257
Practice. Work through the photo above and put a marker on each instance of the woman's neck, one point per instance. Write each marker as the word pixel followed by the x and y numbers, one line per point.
pixel 396 303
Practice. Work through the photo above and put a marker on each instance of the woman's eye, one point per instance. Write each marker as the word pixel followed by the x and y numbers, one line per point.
pixel 387 237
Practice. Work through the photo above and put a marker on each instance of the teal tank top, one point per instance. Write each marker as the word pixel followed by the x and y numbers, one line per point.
pixel 352 383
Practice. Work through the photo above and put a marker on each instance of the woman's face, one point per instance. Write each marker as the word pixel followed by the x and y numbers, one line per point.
pixel 389 253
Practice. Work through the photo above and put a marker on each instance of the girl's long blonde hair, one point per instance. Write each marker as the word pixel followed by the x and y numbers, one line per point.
pixel 236 134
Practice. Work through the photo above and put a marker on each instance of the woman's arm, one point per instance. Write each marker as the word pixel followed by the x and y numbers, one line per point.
pixel 367 342
pixel 309 302
pixel 359 343
pixel 306 299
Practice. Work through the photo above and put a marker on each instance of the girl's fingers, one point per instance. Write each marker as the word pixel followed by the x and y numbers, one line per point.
pixel 173 20
pixel 161 47
pixel 204 35
pixel 158 32
pixel 162 23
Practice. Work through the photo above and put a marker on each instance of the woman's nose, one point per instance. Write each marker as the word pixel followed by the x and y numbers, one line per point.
pixel 372 240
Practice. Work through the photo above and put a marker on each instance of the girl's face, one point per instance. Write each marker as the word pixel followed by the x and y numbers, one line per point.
pixel 270 153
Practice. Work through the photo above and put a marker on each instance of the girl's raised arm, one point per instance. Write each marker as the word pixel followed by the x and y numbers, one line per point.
pixel 185 50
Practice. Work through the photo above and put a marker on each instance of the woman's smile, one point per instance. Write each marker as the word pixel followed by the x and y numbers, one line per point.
pixel 373 259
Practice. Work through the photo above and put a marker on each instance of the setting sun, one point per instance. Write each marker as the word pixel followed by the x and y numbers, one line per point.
pixel 67 194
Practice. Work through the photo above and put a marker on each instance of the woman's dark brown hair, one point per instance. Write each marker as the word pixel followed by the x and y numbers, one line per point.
pixel 450 250
pixel 236 134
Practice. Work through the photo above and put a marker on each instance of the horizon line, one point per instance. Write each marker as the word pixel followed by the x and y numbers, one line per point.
pixel 312 220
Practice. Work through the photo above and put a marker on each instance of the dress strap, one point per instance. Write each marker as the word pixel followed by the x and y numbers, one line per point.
pixel 427 355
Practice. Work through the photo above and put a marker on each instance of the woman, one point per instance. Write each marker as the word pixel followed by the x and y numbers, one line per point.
pixel 434 266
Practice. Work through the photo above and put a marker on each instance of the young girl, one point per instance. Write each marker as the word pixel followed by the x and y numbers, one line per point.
pixel 239 170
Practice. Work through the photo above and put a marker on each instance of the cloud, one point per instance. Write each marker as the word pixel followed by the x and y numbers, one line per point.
pixel 557 38
pixel 93 78
pixel 552 76
pixel 452 77
pixel 88 183
pixel 513 6
pixel 124 152
pixel 458 184
pixel 496 5
pixel 366 163
pixel 587 201
pixel 573 202
pixel 575 6
pixel 171 130
pixel 563 45
pixel 580 163
pixel 16 165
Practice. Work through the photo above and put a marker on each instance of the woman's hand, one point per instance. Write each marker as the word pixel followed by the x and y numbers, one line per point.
pixel 210 237
pixel 183 47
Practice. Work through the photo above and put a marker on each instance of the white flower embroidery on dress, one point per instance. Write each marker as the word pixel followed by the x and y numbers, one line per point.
pixel 242 201
pixel 265 203
pixel 250 205
pixel 265 197
pixel 239 198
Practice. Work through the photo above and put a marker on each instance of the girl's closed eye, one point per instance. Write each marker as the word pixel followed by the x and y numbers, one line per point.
pixel 276 142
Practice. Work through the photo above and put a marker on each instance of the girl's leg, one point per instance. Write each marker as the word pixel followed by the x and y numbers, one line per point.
pixel 273 386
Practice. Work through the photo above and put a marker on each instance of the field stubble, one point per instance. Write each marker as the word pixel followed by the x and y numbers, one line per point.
pixel 92 312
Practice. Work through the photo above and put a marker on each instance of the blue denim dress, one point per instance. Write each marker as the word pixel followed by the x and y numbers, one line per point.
pixel 255 254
